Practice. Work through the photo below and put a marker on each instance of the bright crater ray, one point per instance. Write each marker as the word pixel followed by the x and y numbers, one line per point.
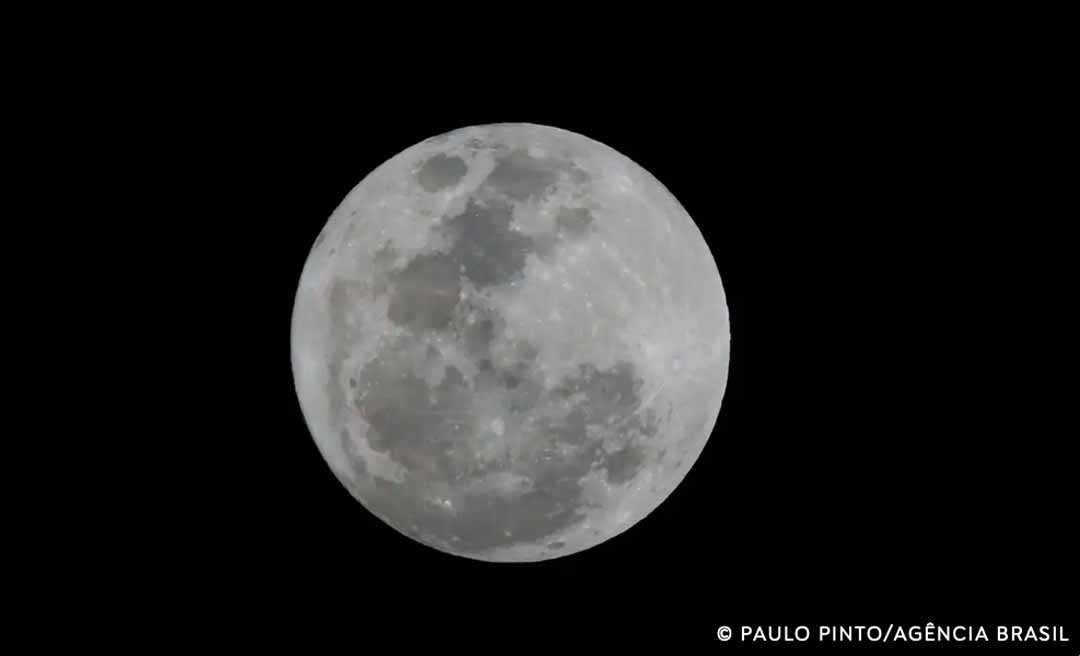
pixel 510 342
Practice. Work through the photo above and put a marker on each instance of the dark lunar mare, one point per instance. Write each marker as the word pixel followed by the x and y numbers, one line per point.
pixel 521 176
pixel 422 428
pixel 484 249
pixel 440 172
pixel 485 252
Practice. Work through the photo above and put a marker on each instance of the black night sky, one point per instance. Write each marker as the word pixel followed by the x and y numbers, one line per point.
pixel 883 453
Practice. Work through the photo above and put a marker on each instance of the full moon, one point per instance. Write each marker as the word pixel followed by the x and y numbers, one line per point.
pixel 510 342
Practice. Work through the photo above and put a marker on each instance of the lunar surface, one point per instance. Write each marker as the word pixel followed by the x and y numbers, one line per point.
pixel 510 342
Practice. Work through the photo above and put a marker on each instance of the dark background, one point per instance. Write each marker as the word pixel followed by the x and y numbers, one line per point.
pixel 887 450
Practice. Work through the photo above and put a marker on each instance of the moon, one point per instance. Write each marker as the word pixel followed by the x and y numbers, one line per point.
pixel 510 342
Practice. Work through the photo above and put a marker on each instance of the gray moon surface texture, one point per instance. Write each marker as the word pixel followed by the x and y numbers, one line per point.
pixel 510 342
